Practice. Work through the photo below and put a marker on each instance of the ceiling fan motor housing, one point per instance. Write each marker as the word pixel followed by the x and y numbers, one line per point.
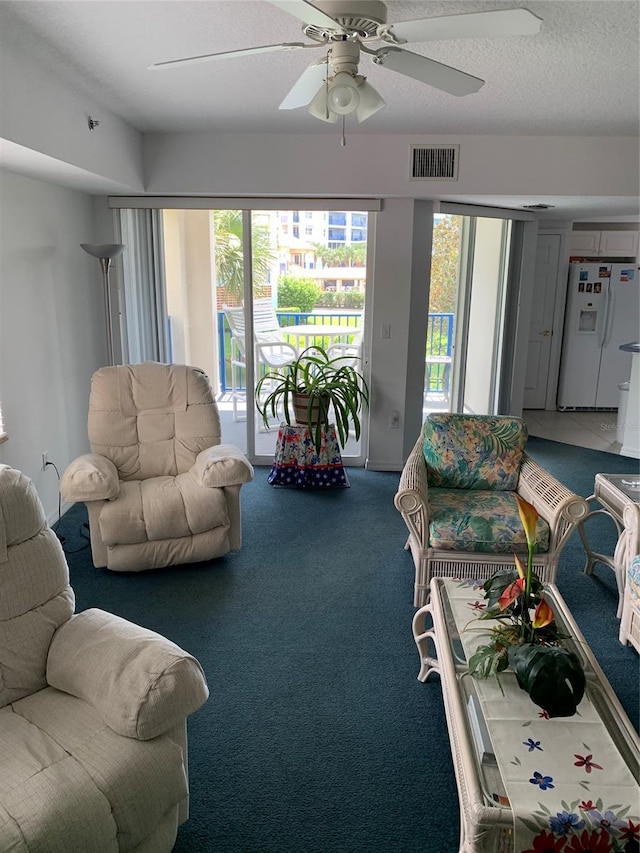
pixel 358 17
pixel 344 56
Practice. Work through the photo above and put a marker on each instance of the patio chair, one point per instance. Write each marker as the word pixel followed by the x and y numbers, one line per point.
pixel 457 497
pixel 271 349
pixel 350 353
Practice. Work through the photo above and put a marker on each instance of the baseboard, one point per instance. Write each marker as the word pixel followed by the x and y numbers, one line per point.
pixel 378 465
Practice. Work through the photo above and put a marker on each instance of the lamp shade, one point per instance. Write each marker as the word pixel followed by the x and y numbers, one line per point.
pixel 103 250
pixel 343 94
pixel 319 107
pixel 370 102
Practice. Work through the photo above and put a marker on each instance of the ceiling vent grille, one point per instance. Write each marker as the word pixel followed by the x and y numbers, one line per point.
pixel 434 162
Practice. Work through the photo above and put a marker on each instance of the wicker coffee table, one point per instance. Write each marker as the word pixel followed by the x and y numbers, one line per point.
pixel 488 824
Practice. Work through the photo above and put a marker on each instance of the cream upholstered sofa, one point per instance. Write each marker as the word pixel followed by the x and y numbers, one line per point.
pixel 159 486
pixel 92 708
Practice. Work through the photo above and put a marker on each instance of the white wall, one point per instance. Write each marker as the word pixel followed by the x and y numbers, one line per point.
pixel 52 329
pixel 295 165
pixel 40 113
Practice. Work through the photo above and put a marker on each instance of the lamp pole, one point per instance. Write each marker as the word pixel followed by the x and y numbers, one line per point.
pixel 105 252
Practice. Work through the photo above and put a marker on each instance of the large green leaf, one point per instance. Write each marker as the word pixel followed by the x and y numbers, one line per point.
pixel 551 675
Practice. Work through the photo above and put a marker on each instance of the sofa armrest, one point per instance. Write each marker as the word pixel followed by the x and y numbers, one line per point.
pixel 222 465
pixel 412 497
pixel 90 478
pixel 560 507
pixel 139 682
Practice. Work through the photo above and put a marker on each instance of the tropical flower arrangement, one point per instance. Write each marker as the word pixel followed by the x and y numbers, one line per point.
pixel 527 638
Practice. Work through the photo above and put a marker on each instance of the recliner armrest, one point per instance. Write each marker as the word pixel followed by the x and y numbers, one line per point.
pixel 222 465
pixel 140 683
pixel 90 477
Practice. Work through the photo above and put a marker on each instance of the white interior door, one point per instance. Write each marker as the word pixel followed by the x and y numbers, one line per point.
pixel 540 331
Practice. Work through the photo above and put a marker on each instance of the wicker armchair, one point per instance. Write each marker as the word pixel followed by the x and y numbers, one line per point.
pixel 456 496
pixel 630 618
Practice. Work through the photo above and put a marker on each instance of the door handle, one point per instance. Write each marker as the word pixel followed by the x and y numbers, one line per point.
pixel 545 333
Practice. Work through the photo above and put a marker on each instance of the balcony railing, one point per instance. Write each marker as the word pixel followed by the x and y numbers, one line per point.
pixel 437 356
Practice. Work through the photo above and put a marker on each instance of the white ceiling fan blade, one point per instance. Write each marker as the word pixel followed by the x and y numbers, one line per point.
pixel 307 13
pixel 428 71
pixel 305 86
pixel 497 24
pixel 227 54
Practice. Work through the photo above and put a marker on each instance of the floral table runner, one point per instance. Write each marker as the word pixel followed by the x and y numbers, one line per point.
pixel 569 788
pixel 297 463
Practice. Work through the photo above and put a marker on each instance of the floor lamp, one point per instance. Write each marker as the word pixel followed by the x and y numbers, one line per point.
pixel 105 252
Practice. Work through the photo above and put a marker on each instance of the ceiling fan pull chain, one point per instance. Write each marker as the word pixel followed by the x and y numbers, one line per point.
pixel 343 141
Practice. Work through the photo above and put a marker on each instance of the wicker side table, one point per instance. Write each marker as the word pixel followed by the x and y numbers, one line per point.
pixel 613 492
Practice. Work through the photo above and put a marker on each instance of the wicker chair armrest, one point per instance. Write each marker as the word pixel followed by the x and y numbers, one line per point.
pixel 561 508
pixel 412 497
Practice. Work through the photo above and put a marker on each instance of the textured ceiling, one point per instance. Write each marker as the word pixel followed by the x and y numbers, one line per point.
pixel 579 75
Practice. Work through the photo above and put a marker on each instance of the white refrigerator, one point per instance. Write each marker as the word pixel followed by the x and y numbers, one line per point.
pixel 602 312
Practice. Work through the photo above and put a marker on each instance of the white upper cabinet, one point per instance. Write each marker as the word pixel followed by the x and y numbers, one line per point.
pixel 604 244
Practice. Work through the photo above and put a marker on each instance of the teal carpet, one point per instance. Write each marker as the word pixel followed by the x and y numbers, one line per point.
pixel 317 737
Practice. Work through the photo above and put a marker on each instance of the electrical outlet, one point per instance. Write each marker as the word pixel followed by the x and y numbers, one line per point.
pixel 394 420
pixel 385 331
pixel 45 459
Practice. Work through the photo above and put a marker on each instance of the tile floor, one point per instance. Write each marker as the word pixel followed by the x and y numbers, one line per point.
pixel 595 430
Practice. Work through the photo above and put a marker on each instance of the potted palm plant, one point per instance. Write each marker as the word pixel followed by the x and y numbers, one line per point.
pixel 313 389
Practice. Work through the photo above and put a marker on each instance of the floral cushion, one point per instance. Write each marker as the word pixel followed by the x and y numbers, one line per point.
pixel 633 579
pixel 484 521
pixel 473 451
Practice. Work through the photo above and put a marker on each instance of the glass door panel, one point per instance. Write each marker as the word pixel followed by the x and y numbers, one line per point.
pixel 466 313
pixel 308 288
pixel 443 300
pixel 484 318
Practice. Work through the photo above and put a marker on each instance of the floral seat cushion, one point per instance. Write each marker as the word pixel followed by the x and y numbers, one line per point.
pixel 484 521
pixel 473 451
pixel 633 579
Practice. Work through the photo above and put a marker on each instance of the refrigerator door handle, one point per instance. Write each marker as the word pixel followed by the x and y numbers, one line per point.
pixel 602 327
pixel 608 320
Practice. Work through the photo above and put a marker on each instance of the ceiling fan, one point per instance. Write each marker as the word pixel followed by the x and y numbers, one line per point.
pixel 332 86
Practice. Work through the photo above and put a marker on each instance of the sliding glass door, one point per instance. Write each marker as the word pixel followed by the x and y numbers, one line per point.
pixel 247 290
pixel 465 333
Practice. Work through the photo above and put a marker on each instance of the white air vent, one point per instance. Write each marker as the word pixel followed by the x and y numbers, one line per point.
pixel 434 162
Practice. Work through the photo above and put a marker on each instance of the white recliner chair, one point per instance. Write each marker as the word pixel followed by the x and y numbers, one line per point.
pixel 159 486
pixel 92 708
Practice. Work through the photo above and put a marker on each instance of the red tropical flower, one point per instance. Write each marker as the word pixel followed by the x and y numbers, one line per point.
pixel 546 842
pixel 587 805
pixel 511 593
pixel 586 762
pixel 630 832
pixel 590 842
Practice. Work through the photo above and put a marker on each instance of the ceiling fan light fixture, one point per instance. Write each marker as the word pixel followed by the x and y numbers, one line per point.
pixel 370 102
pixel 343 95
pixel 319 108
